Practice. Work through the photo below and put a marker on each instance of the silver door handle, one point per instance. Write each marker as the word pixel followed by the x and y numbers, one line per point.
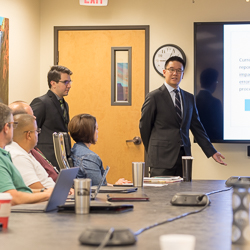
pixel 136 140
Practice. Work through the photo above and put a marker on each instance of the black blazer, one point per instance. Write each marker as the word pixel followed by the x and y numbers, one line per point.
pixel 49 117
pixel 161 133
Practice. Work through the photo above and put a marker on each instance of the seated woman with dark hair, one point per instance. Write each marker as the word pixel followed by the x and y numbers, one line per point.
pixel 83 128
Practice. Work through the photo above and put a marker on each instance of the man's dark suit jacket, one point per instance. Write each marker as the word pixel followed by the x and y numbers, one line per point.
pixel 161 133
pixel 49 117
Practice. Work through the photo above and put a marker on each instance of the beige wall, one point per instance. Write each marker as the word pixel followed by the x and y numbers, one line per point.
pixel 170 22
pixel 24 55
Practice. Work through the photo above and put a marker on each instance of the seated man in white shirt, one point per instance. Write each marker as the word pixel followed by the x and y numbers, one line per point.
pixel 25 138
pixel 10 179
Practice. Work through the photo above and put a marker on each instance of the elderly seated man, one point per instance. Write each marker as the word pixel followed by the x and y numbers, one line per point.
pixel 25 139
pixel 10 179
pixel 21 107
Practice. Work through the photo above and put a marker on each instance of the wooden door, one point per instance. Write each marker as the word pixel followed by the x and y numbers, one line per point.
pixel 87 53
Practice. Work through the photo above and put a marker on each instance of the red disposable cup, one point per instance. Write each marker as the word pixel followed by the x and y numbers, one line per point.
pixel 5 207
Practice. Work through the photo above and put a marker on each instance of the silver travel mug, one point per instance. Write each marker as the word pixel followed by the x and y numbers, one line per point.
pixel 82 195
pixel 138 169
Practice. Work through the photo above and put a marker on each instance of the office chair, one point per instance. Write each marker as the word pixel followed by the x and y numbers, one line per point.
pixel 67 143
pixel 60 150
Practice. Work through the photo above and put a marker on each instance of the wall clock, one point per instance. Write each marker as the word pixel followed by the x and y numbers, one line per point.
pixel 163 53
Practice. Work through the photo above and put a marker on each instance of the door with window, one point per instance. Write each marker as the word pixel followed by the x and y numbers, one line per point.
pixel 110 79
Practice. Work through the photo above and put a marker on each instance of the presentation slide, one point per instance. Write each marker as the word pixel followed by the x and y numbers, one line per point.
pixel 237 82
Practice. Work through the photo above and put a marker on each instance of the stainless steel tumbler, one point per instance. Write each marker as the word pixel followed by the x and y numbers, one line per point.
pixel 138 169
pixel 82 195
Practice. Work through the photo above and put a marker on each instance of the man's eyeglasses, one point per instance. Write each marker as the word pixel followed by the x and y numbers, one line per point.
pixel 66 82
pixel 38 131
pixel 14 124
pixel 172 70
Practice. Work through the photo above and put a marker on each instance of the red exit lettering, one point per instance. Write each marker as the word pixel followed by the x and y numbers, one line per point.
pixel 93 1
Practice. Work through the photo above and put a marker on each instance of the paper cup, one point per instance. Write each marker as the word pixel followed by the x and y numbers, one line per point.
pixel 5 205
pixel 177 242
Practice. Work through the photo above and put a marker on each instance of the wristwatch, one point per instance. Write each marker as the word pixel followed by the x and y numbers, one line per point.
pixel 42 190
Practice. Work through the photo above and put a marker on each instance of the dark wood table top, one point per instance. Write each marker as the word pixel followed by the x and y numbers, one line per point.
pixel 211 227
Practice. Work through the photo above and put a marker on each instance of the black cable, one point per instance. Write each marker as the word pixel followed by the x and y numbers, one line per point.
pixel 183 215
pixel 111 230
pixel 218 191
pixel 173 219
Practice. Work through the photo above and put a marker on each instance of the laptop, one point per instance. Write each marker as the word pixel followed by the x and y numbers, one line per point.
pixel 58 197
pixel 128 197
pixel 93 195
pixel 108 189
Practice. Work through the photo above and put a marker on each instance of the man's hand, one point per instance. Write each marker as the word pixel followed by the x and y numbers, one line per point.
pixel 49 190
pixel 71 191
pixel 217 157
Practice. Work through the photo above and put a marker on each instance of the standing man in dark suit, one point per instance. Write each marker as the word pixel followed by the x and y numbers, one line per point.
pixel 166 120
pixel 52 111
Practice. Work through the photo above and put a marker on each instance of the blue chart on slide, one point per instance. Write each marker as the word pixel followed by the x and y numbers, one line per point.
pixel 237 82
pixel 247 105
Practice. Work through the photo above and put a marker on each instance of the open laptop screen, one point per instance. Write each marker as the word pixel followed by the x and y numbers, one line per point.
pixel 100 183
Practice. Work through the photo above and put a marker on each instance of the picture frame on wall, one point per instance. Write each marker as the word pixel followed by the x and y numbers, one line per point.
pixel 4 60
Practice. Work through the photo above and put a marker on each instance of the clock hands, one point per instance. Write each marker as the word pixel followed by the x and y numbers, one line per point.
pixel 163 53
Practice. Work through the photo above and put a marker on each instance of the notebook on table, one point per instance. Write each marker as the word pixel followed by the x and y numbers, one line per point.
pixel 107 189
pixel 130 184
pixel 58 197
pixel 128 197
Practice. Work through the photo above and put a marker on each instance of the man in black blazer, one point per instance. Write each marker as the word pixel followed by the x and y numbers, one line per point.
pixel 52 111
pixel 164 135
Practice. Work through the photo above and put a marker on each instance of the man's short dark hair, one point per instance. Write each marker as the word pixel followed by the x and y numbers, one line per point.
pixel 208 77
pixel 175 58
pixel 5 113
pixel 55 73
pixel 82 128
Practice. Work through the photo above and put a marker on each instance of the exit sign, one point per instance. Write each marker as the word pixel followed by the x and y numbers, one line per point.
pixel 94 2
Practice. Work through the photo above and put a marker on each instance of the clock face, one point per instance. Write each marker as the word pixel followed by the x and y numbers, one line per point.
pixel 162 54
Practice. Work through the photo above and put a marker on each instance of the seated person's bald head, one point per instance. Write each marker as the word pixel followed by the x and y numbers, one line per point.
pixel 21 107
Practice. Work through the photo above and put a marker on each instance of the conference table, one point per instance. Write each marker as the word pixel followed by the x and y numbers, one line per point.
pixel 57 230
